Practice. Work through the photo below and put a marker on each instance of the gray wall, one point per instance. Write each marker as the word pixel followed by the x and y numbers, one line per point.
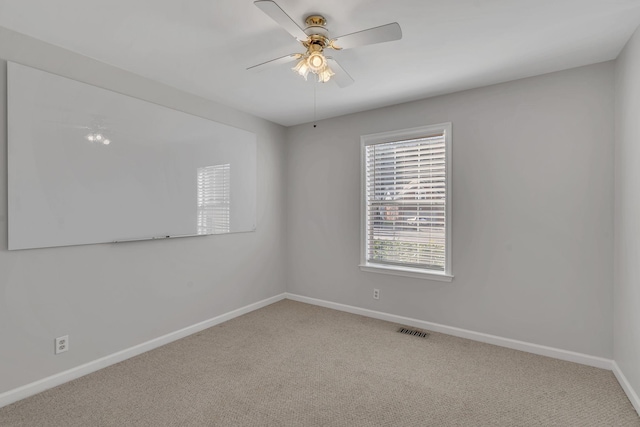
pixel 113 296
pixel 627 213
pixel 532 211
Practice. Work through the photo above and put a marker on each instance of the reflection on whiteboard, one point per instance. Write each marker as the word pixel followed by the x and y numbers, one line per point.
pixel 88 165
pixel 214 199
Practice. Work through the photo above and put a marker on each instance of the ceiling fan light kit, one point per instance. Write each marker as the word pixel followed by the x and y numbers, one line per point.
pixel 314 61
pixel 315 38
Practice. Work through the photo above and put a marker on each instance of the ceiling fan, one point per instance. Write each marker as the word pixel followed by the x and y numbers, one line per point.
pixel 315 39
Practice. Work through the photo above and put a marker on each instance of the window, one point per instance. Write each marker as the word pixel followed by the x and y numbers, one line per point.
pixel 406 225
pixel 214 199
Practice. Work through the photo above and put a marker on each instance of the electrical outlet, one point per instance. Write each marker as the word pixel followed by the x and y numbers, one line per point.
pixel 376 294
pixel 62 344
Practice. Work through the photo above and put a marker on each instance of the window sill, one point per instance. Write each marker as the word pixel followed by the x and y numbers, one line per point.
pixel 416 273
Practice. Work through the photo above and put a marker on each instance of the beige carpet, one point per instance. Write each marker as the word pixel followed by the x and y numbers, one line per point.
pixel 293 364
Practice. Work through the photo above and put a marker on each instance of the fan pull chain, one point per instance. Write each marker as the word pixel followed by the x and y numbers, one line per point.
pixel 315 104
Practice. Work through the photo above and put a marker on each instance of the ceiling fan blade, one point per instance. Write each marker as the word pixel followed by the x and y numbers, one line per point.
pixel 277 61
pixel 383 33
pixel 281 17
pixel 341 77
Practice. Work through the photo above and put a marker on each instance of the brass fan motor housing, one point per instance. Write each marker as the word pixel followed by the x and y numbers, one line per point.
pixel 317 39
pixel 316 42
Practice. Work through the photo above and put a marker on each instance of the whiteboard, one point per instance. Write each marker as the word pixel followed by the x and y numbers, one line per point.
pixel 87 165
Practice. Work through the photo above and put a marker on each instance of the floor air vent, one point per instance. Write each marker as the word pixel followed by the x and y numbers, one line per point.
pixel 414 332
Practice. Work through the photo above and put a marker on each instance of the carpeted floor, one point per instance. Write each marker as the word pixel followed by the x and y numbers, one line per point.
pixel 293 364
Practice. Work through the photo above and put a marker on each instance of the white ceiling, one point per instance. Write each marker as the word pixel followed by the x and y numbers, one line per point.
pixel 204 46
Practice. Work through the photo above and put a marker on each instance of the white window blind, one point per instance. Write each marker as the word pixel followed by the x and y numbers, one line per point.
pixel 214 199
pixel 405 201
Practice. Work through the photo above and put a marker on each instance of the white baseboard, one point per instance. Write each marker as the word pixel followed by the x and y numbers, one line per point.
pixel 27 390
pixel 556 353
pixel 631 393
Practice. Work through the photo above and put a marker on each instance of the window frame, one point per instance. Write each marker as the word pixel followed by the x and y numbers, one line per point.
pixel 398 136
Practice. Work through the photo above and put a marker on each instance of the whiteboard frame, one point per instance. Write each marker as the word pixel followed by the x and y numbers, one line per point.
pixel 65 190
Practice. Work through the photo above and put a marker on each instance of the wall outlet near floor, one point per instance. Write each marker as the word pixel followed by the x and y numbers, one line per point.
pixel 376 294
pixel 62 344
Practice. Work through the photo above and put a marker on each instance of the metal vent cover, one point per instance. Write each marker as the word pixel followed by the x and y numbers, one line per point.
pixel 414 332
